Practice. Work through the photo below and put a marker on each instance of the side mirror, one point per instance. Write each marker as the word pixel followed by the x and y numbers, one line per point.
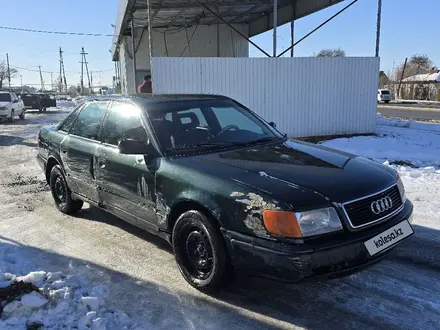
pixel 273 124
pixel 15 101
pixel 135 147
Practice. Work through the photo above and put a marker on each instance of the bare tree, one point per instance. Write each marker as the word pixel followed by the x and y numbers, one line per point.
pixel 418 64
pixel 336 52
pixel 4 73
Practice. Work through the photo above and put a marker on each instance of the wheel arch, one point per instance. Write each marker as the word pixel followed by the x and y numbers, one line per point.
pixel 183 205
pixel 51 162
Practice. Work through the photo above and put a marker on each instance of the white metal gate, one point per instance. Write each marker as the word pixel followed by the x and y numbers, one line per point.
pixel 304 96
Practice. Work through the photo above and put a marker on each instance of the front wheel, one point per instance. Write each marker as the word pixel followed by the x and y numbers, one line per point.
pixel 200 252
pixel 11 119
pixel 387 102
pixel 22 115
pixel 61 192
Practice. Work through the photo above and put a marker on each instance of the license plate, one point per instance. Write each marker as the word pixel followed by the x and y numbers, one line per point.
pixel 389 237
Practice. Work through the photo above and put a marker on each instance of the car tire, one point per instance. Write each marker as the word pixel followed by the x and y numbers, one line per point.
pixel 201 253
pixel 61 192
pixel 387 102
pixel 40 109
pixel 22 115
pixel 44 109
pixel 11 119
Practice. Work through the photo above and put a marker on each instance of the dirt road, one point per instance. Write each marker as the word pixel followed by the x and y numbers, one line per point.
pixel 402 292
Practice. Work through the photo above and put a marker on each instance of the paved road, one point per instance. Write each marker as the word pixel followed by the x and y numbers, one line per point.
pixel 414 112
pixel 139 270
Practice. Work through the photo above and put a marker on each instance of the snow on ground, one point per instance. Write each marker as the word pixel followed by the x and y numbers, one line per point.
pixel 397 140
pixel 63 299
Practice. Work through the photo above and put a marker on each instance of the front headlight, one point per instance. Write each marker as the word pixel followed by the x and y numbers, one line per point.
pixel 401 189
pixel 320 221
pixel 302 224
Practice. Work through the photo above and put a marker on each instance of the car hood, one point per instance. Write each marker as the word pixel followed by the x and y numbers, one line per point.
pixel 336 175
pixel 4 104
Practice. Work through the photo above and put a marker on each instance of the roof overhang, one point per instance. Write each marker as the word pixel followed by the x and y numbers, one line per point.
pixel 258 14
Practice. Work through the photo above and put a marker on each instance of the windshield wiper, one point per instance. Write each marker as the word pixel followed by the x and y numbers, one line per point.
pixel 204 144
pixel 264 139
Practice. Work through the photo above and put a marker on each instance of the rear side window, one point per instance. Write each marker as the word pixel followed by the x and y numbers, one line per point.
pixel 385 92
pixel 89 120
pixel 123 122
pixel 5 97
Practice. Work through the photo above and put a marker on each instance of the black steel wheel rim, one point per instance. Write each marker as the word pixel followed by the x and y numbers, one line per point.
pixel 198 256
pixel 60 190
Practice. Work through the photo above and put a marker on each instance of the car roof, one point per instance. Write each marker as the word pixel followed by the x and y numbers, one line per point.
pixel 156 98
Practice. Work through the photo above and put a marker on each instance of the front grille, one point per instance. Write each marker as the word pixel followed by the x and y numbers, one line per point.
pixel 359 212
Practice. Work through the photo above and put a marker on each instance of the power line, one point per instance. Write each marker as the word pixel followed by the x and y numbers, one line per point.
pixel 57 32
pixel 45 71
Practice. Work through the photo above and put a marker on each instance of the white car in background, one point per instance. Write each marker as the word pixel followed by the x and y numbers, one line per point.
pixel 384 95
pixel 10 106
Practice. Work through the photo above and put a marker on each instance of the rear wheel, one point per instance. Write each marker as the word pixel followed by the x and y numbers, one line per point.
pixel 200 252
pixel 44 109
pixel 387 101
pixel 61 192
pixel 11 119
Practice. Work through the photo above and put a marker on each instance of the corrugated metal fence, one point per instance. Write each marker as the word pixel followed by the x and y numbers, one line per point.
pixel 304 96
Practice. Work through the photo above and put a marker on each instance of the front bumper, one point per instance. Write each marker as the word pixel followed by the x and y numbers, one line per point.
pixel 297 262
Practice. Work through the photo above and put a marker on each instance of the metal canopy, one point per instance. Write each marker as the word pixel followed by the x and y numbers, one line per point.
pixel 175 14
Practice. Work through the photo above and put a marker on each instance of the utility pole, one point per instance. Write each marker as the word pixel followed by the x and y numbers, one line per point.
pixel 275 25
pixel 41 78
pixel 84 62
pixel 21 82
pixel 292 27
pixel 51 79
pixel 64 72
pixel 82 71
pixel 9 70
pixel 91 79
pixel 60 82
pixel 379 18
pixel 401 77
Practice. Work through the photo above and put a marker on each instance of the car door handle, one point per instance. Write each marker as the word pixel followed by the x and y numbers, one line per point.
pixel 64 151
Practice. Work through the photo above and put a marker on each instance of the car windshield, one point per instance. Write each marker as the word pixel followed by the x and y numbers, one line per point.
pixel 5 97
pixel 203 124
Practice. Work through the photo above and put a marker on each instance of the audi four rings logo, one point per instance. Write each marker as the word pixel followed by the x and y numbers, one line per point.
pixel 381 205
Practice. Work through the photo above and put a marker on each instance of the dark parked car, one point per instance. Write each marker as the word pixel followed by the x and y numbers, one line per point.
pixel 38 101
pixel 225 188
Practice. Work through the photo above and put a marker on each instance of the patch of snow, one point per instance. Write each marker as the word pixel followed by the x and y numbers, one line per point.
pixel 397 140
pixel 65 300
pixel 33 277
pixel 33 300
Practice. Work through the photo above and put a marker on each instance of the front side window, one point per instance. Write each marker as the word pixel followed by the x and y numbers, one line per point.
pixel 206 124
pixel 88 122
pixel 5 97
pixel 123 122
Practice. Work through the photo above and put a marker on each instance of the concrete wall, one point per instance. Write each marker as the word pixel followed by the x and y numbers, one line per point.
pixel 304 96
pixel 174 44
